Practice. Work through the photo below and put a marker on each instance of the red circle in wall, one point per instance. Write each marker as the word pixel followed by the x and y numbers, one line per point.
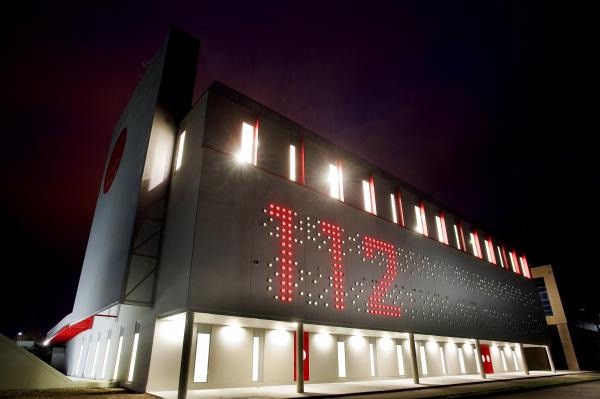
pixel 115 160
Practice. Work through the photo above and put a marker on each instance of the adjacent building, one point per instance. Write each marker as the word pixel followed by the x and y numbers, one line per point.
pixel 228 239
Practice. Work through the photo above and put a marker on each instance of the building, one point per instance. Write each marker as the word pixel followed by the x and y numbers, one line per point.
pixel 574 334
pixel 227 239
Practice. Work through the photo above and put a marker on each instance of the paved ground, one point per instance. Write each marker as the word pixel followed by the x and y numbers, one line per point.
pixel 589 390
pixel 542 385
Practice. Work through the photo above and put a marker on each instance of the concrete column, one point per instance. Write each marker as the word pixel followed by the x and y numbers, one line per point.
pixel 186 352
pixel 550 359
pixel 479 361
pixel 300 358
pixel 525 365
pixel 413 358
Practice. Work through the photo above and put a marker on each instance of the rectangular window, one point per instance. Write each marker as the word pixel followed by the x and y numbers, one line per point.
pixel 489 249
pixel 443 359
pixel 513 262
pixel 336 182
pixel 180 146
pixel 504 366
pixel 106 351
pixel 249 144
pixel 524 266
pixel 372 359
pixel 440 223
pixel 118 359
pixel 367 196
pixel 461 361
pixel 136 338
pixel 202 350
pixel 292 162
pixel 255 354
pixel 93 374
pixel 79 360
pixel 341 352
pixel 421 226
pixel 400 359
pixel 544 299
pixel 457 238
pixel 514 356
pixel 423 359
pixel 475 245
pixel 393 205
pixel 500 256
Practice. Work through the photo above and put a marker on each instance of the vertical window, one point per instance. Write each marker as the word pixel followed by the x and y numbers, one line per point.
pixel 393 206
pixel 500 256
pixel 302 161
pixel 489 250
pixel 440 223
pixel 201 366
pixel 423 359
pixel 255 354
pixel 95 357
pixel 292 162
pixel 524 266
pixel 372 359
pixel 369 196
pixel 180 146
pixel 421 226
pixel 341 352
pixel 513 262
pixel 514 356
pixel 461 361
pixel 106 351
pixel 249 144
pixel 457 238
pixel 400 359
pixel 79 360
pixel 136 339
pixel 443 359
pixel 475 245
pixel 118 359
pixel 336 182
pixel 504 366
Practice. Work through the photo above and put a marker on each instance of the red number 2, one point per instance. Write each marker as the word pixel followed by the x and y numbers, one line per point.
pixel 375 303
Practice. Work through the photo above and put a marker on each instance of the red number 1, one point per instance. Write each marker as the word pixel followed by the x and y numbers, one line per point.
pixel 334 235
pixel 286 260
pixel 375 303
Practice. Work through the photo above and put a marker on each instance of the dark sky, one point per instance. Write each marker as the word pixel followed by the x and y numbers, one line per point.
pixel 482 104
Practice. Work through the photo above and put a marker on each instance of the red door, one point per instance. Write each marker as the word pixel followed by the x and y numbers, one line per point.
pixel 486 359
pixel 305 356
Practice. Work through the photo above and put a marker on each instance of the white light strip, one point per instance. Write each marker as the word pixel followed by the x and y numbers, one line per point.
pixel 477 361
pixel 512 261
pixel 423 359
pixel 180 151
pixel 341 352
pixel 504 366
pixel 443 359
pixel 514 356
pixel 247 144
pixel 419 227
pixel 79 360
pixel 255 352
pixel 373 201
pixel 488 251
pixel 372 360
pixel 292 162
pixel 340 182
pixel 500 256
pixel 400 359
pixel 136 338
pixel 440 232
pixel 393 205
pixel 95 358
pixel 105 359
pixel 457 238
pixel 202 351
pixel 461 361
pixel 367 196
pixel 119 347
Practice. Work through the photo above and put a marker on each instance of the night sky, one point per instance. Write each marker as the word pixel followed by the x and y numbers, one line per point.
pixel 481 104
